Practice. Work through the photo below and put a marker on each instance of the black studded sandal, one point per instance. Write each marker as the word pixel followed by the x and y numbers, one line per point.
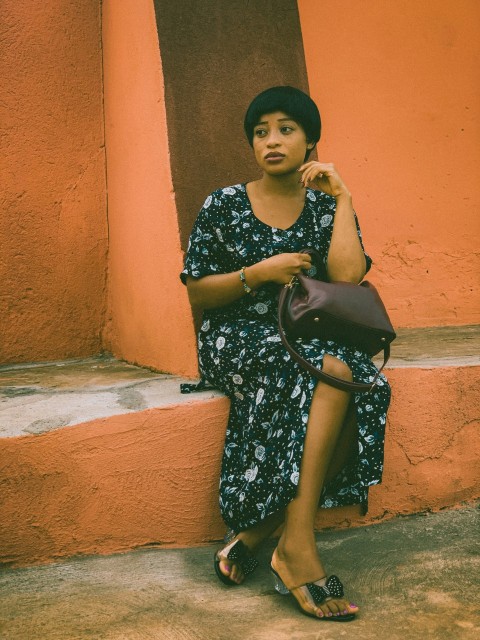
pixel 238 553
pixel 311 594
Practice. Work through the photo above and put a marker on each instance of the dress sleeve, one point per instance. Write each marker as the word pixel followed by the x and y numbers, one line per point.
pixel 205 251
pixel 326 219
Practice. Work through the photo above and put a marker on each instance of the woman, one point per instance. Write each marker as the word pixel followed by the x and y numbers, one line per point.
pixel 292 443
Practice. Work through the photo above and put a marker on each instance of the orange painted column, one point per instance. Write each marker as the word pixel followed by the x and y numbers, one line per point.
pixel 397 87
pixel 149 321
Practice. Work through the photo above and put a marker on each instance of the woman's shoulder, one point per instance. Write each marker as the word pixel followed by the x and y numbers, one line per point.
pixel 225 194
pixel 223 202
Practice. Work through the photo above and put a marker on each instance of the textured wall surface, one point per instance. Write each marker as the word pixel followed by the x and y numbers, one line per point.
pixel 149 320
pixel 53 232
pixel 151 478
pixel 398 89
pixel 216 57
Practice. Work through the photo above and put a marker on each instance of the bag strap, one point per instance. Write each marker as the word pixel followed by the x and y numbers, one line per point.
pixel 338 383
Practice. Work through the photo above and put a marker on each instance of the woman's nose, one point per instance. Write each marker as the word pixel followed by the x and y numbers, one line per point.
pixel 272 139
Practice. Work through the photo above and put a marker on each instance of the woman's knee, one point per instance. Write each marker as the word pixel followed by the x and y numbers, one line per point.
pixel 335 367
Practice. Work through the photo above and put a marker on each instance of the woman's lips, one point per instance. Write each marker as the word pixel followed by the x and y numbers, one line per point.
pixel 276 157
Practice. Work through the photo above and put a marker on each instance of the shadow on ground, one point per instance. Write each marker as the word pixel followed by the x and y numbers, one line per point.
pixel 414 577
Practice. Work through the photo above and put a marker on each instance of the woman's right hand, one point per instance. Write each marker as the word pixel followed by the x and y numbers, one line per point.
pixel 282 267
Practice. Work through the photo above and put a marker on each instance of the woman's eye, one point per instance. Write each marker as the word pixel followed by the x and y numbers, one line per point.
pixel 286 129
pixel 260 132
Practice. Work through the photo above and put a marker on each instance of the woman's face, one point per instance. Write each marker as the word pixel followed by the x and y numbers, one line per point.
pixel 279 143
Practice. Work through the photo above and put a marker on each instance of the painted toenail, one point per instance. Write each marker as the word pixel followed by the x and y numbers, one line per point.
pixel 352 604
pixel 345 611
pixel 227 568
pixel 329 614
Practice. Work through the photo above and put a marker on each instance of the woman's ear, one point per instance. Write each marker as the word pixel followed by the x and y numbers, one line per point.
pixel 311 145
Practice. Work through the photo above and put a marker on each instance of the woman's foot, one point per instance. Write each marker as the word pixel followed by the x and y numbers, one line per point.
pixel 232 570
pixel 234 562
pixel 302 573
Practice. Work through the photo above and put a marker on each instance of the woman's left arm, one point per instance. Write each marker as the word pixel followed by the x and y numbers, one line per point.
pixel 346 259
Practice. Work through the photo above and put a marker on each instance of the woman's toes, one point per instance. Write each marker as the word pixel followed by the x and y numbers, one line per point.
pixel 351 607
pixel 333 608
pixel 225 568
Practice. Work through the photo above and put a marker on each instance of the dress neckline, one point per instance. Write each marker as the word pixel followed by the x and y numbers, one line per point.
pixel 265 224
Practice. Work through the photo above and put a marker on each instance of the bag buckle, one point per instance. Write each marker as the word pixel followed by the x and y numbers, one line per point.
pixel 292 283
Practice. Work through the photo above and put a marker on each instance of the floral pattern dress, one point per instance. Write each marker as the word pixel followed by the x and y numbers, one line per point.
pixel 240 353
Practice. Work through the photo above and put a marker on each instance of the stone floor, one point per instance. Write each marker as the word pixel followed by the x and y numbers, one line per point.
pixel 415 578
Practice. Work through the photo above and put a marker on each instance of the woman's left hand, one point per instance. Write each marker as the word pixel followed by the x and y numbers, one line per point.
pixel 324 176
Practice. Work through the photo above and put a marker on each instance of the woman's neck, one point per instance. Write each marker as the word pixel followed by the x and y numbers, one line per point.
pixel 286 185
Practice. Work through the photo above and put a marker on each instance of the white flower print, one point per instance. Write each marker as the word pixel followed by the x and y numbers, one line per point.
pixel 296 391
pixel 241 497
pixel 229 191
pixel 326 220
pixel 294 477
pixel 237 379
pixel 219 234
pixel 311 196
pixel 260 453
pixel 251 474
pixel 206 325
pixel 261 308
pixel 207 202
pixel 260 394
pixel 239 395
pixel 220 343
pixel 274 339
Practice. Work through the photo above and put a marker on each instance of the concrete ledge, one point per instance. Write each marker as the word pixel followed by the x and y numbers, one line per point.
pixel 38 398
pixel 149 476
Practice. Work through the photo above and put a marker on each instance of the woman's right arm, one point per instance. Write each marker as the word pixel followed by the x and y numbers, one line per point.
pixel 221 289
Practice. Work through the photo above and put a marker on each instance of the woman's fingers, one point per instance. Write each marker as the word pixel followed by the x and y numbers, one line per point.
pixel 284 266
pixel 324 176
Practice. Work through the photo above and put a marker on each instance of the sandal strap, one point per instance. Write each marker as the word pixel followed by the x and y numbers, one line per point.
pixel 333 588
pixel 242 555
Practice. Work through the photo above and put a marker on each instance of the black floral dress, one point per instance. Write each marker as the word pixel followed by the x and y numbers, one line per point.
pixel 241 354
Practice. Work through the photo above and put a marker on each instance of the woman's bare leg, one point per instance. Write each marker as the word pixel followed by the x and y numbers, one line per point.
pixel 296 557
pixel 346 448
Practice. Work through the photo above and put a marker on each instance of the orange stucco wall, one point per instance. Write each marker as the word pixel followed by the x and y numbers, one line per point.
pixel 397 86
pixel 149 320
pixel 53 232
pixel 149 478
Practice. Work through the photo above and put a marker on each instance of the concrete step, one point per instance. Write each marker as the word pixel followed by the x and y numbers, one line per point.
pixel 98 456
pixel 413 578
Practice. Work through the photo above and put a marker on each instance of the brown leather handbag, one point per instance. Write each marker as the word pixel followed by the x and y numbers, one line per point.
pixel 350 314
